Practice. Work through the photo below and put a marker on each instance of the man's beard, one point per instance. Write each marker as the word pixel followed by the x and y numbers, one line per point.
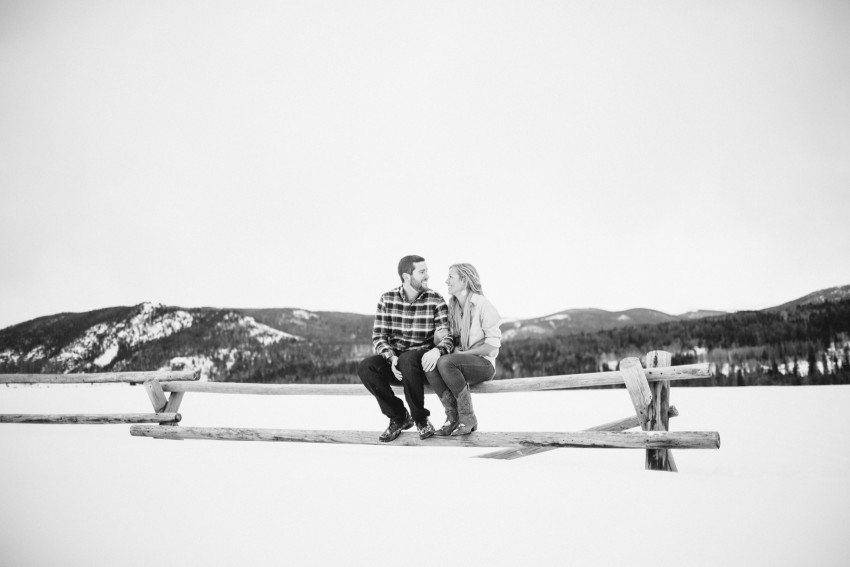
pixel 418 285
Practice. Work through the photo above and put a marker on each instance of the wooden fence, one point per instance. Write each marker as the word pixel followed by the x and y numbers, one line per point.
pixel 648 388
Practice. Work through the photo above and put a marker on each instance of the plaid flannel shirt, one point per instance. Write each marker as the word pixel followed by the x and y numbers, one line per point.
pixel 401 325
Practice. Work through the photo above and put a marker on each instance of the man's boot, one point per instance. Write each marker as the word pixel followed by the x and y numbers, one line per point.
pixel 395 428
pixel 450 405
pixel 467 422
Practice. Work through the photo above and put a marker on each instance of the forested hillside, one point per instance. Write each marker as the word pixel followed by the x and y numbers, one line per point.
pixel 808 344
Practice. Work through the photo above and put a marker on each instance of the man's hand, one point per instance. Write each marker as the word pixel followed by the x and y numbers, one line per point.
pixel 429 360
pixel 394 367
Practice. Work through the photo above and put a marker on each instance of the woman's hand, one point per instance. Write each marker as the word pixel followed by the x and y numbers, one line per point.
pixel 429 360
pixel 439 335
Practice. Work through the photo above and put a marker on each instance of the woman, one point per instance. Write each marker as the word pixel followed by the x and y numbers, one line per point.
pixel 474 324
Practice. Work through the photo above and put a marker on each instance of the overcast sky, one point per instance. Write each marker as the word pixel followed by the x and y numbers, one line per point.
pixel 669 155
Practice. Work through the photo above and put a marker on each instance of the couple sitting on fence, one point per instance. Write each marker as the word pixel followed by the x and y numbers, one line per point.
pixel 417 337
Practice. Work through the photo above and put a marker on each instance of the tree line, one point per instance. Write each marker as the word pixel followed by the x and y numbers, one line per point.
pixel 809 344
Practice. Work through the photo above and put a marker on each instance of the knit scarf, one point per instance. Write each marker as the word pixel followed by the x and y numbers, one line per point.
pixel 462 317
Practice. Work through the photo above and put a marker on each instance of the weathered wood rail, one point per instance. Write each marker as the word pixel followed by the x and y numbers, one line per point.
pixel 537 384
pixel 90 419
pixel 165 409
pixel 648 388
pixel 601 439
pixel 102 377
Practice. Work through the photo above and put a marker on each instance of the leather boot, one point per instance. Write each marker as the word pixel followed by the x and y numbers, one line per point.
pixel 450 405
pixel 467 422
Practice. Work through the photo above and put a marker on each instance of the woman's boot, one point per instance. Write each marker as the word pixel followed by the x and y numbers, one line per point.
pixel 467 422
pixel 450 405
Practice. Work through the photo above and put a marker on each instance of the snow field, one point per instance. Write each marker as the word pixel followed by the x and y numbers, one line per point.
pixel 775 493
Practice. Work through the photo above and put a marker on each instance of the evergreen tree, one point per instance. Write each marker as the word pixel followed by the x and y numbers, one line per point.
pixel 826 373
pixel 794 372
pixel 740 379
pixel 814 374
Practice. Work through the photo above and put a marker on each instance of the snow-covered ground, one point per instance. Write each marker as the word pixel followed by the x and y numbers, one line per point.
pixel 776 493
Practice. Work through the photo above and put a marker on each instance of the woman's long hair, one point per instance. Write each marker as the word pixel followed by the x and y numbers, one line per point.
pixel 459 324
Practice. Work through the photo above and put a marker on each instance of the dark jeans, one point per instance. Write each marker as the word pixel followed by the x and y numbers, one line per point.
pixel 378 378
pixel 456 370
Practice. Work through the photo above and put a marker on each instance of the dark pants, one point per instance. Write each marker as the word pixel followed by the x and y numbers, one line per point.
pixel 456 370
pixel 378 378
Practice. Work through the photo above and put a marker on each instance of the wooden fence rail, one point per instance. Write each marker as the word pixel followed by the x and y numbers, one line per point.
pixel 101 377
pixel 599 439
pixel 537 384
pixel 90 419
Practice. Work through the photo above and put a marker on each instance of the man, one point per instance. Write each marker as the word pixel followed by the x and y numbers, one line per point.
pixel 403 337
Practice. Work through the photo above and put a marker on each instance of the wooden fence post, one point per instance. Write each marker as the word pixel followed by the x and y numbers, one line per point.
pixel 156 395
pixel 636 383
pixel 160 403
pixel 659 459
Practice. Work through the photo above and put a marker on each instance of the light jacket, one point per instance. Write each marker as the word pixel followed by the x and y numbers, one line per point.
pixel 484 328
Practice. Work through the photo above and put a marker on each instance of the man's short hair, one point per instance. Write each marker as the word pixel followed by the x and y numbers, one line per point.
pixel 405 265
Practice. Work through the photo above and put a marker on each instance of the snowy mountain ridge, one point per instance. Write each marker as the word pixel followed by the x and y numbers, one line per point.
pixel 99 345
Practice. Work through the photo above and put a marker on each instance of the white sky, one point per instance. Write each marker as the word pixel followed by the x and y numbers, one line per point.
pixel 286 154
